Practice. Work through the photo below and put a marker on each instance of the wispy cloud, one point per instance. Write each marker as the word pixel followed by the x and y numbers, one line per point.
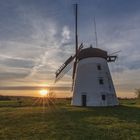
pixel 47 37
pixel 37 37
pixel 34 88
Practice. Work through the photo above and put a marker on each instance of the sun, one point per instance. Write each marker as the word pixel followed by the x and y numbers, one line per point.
pixel 43 92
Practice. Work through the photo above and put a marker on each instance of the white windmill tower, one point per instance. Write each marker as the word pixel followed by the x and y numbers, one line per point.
pixel 92 82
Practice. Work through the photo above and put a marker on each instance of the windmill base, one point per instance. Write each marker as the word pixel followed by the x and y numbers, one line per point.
pixel 84 101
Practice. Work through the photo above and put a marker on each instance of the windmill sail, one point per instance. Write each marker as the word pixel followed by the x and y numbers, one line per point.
pixel 67 65
pixel 64 68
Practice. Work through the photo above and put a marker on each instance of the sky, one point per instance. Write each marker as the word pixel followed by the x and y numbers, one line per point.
pixel 37 36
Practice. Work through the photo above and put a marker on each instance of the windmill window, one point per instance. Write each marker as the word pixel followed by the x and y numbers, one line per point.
pixel 101 81
pixel 110 87
pixel 99 67
pixel 103 97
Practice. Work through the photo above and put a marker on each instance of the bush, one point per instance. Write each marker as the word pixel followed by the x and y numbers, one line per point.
pixel 137 91
pixel 4 98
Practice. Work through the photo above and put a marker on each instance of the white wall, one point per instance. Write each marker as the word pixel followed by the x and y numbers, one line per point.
pixel 87 83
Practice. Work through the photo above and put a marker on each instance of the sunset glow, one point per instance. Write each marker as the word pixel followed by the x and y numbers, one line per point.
pixel 36 39
pixel 43 92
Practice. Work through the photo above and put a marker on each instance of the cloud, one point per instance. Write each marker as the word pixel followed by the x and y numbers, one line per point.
pixel 17 62
pixel 43 51
pixel 12 75
pixel 40 50
pixel 37 37
pixel 65 34
pixel 34 88
pixel 53 46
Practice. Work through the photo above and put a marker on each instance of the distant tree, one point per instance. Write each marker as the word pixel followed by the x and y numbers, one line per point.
pixel 137 91
pixel 4 98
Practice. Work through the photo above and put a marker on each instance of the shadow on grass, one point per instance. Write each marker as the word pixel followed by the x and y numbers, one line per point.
pixel 127 113
pixel 75 123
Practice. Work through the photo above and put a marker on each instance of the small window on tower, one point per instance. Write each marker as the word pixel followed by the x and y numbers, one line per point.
pixel 109 87
pixel 103 97
pixel 99 67
pixel 101 81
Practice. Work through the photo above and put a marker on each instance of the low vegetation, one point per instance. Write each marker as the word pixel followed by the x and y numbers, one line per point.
pixel 137 91
pixel 30 120
pixel 3 98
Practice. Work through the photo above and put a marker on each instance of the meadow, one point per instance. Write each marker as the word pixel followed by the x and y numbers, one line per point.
pixel 27 119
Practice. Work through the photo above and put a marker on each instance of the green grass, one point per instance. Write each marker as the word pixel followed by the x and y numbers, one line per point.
pixel 64 122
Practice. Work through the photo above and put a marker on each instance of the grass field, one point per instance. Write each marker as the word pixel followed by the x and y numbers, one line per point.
pixel 25 121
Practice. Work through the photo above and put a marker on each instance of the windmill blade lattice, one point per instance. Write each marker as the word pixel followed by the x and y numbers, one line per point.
pixel 64 68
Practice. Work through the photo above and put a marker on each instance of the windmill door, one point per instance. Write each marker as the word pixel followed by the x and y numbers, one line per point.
pixel 84 100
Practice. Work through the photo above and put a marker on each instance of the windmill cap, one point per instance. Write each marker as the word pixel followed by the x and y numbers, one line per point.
pixel 92 52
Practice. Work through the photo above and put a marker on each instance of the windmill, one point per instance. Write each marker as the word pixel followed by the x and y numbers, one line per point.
pixel 92 83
